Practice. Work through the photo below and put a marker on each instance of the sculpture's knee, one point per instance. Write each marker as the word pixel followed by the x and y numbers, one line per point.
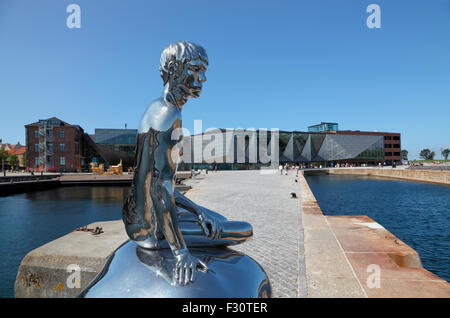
pixel 237 231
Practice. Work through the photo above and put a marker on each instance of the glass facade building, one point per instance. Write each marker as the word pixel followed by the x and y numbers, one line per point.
pixel 323 127
pixel 244 147
pixel 123 140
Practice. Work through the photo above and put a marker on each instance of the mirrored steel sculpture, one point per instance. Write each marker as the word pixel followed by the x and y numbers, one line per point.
pixel 177 248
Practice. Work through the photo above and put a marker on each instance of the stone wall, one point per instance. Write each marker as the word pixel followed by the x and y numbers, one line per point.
pixel 438 177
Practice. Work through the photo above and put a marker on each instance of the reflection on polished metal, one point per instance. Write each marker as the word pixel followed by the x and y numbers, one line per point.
pixel 147 273
pixel 155 214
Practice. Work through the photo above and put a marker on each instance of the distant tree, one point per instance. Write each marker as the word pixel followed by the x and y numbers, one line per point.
pixel 13 160
pixel 427 154
pixel 404 154
pixel 3 156
pixel 445 153
pixel 24 160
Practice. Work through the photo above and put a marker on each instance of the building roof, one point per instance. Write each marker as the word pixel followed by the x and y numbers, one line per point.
pixel 63 123
pixel 20 151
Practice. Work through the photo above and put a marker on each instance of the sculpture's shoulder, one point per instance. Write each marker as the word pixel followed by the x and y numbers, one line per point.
pixel 160 116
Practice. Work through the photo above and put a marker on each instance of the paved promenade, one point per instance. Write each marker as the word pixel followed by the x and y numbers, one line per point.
pixel 265 201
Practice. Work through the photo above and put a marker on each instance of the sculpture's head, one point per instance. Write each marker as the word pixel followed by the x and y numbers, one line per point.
pixel 183 66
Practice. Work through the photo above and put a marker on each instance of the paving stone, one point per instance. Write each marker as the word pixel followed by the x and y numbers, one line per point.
pixel 264 200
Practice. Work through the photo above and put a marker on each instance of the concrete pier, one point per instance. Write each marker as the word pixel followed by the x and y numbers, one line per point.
pixel 304 253
pixel 354 256
pixel 429 176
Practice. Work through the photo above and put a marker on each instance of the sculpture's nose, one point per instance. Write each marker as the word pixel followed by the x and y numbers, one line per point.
pixel 201 77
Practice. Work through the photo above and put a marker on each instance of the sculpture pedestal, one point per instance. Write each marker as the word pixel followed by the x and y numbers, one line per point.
pixel 137 272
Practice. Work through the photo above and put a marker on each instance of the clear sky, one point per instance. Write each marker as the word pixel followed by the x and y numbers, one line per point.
pixel 273 64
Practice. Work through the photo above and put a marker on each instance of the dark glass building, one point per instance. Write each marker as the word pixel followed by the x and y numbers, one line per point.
pixel 242 149
pixel 323 127
pixel 123 140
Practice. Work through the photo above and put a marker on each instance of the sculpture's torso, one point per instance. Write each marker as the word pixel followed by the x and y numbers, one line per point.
pixel 156 163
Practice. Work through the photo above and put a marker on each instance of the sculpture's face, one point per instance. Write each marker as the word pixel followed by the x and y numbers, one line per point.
pixel 192 78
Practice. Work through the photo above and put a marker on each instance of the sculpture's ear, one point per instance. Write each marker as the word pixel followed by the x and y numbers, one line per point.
pixel 172 68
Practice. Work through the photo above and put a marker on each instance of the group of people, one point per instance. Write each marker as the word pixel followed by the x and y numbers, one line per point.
pixel 286 167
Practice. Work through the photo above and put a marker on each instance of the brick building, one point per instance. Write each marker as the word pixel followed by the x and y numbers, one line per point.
pixel 54 145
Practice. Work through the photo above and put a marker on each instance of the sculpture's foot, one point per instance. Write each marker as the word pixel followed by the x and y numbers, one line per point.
pixel 136 272
pixel 234 232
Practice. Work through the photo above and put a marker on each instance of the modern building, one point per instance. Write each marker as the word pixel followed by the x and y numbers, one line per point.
pixel 53 144
pixel 122 140
pixel 110 146
pixel 323 127
pixel 326 148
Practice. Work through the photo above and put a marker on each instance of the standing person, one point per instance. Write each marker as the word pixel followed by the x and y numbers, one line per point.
pixel 280 168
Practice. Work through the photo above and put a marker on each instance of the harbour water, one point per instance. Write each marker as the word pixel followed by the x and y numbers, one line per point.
pixel 32 219
pixel 417 213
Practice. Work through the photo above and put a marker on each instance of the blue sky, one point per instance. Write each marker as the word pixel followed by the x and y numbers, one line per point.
pixel 273 64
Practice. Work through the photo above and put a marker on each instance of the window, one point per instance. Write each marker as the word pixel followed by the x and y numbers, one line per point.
pixel 396 146
pixel 387 146
pixel 36 162
pixel 36 134
pixel 396 153
pixel 396 138
pixel 62 161
pixel 388 154
pixel 62 147
pixel 61 134
pixel 387 137
pixel 36 147
pixel 50 147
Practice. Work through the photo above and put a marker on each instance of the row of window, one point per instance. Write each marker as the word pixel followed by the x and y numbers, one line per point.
pixel 391 146
pixel 62 147
pixel 50 134
pixel 391 137
pixel 62 161
pixel 390 154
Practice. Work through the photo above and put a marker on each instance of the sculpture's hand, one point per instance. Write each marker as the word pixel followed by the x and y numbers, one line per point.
pixel 210 225
pixel 186 267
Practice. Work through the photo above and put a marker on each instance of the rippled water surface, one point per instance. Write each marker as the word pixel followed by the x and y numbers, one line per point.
pixel 417 213
pixel 30 220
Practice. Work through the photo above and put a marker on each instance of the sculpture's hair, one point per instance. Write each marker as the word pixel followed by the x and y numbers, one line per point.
pixel 178 53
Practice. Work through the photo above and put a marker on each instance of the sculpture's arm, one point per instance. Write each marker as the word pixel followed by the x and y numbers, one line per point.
pixel 166 218
pixel 211 226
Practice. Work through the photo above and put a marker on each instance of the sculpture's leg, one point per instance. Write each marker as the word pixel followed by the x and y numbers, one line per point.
pixel 184 215
pixel 234 232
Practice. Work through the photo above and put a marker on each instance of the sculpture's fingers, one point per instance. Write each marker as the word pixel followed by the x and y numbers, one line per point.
pixel 193 272
pixel 205 228
pixel 180 275
pixel 218 230
pixel 176 272
pixel 186 274
pixel 202 266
